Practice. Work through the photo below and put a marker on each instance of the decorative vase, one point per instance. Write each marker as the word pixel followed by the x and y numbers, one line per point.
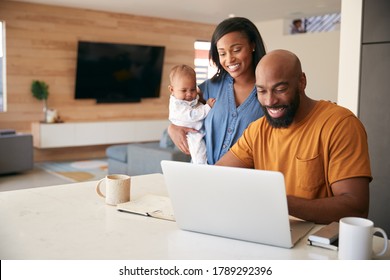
pixel 51 115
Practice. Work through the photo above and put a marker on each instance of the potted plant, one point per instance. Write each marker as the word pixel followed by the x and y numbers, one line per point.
pixel 40 91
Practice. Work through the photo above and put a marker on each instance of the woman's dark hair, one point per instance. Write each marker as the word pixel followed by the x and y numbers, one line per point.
pixel 247 28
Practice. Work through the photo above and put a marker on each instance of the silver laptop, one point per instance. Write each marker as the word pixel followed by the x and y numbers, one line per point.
pixel 239 203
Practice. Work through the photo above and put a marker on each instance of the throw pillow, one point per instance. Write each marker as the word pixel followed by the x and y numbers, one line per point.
pixel 166 141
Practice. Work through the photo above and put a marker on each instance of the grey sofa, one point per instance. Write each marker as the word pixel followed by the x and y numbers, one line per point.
pixel 143 158
pixel 16 152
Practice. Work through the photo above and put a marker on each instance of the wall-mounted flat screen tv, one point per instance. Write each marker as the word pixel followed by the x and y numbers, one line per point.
pixel 110 72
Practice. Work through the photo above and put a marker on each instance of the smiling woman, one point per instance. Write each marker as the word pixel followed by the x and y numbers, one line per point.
pixel 3 103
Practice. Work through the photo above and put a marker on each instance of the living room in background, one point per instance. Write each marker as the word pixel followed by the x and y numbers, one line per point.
pixel 3 99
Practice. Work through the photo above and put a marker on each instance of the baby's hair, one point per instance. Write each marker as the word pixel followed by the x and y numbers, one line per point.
pixel 181 69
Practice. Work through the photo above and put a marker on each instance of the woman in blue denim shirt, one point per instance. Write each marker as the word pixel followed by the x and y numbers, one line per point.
pixel 236 48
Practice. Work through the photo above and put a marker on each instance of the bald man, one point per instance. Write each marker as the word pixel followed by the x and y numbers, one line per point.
pixel 320 147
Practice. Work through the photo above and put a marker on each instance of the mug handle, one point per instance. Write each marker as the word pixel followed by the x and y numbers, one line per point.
pixel 99 192
pixel 381 231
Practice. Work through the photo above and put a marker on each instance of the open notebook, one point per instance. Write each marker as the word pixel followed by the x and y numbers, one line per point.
pixel 238 203
pixel 150 205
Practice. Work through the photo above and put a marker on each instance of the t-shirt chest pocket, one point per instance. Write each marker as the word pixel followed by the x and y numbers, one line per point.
pixel 310 172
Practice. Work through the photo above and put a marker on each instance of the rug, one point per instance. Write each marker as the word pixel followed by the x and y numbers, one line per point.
pixel 77 171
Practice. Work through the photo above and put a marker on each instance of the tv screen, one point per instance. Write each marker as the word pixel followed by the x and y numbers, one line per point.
pixel 111 72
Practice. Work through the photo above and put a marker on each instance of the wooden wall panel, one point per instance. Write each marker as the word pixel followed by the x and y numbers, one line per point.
pixel 41 43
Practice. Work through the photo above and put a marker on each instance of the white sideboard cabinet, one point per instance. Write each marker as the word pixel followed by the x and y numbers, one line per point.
pixel 73 134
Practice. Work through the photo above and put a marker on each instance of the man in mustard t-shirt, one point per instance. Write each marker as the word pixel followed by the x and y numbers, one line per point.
pixel 320 147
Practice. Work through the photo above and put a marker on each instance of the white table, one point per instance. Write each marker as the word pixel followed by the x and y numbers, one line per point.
pixel 72 222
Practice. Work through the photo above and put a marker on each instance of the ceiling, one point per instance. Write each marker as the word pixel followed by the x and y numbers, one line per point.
pixel 206 11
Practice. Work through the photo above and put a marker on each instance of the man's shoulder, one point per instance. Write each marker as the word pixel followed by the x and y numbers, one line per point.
pixel 257 125
pixel 332 115
pixel 332 109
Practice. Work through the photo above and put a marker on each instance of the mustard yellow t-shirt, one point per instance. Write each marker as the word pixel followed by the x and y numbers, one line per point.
pixel 329 145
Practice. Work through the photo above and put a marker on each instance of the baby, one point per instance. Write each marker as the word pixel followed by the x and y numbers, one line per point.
pixel 185 109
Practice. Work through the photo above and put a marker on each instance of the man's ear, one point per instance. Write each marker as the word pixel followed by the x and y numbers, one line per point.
pixel 302 82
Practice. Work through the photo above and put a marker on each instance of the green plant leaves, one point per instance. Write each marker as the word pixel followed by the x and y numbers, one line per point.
pixel 40 90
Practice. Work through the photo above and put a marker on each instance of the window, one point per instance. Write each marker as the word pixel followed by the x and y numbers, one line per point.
pixel 3 103
pixel 323 23
pixel 203 66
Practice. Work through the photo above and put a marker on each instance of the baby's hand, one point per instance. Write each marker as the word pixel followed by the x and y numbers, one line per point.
pixel 211 102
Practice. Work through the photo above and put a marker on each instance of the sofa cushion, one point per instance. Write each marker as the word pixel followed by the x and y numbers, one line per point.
pixel 166 141
pixel 7 131
pixel 16 153
pixel 118 152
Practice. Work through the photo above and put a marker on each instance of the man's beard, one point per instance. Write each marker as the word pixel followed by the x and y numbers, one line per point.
pixel 287 119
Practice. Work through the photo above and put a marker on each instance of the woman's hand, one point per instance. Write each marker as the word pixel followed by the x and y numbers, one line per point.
pixel 178 135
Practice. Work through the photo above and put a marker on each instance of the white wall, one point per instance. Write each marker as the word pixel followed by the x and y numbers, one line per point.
pixel 318 52
pixel 350 44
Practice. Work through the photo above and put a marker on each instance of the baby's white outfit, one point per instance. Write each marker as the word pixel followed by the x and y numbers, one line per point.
pixel 191 114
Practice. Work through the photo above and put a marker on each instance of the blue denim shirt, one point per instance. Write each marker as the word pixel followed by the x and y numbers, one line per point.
pixel 225 122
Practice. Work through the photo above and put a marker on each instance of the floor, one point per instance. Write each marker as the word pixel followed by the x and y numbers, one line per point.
pixel 36 177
